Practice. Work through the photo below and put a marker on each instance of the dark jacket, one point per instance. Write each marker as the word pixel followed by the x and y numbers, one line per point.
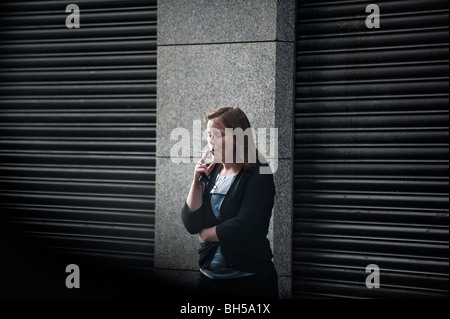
pixel 242 231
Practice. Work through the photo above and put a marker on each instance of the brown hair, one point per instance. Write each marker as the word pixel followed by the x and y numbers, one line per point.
pixel 234 118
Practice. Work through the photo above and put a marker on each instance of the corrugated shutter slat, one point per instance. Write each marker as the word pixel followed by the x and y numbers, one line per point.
pixel 371 150
pixel 78 127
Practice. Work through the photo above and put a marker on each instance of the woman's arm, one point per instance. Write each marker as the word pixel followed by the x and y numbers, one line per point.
pixel 191 214
pixel 208 234
pixel 194 199
pixel 254 213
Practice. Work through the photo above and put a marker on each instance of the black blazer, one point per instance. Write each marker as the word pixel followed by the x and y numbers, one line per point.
pixel 242 230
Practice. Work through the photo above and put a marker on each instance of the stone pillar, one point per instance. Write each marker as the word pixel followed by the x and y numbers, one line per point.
pixel 213 54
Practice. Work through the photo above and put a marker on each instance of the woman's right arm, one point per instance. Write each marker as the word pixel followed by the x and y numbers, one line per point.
pixel 194 199
pixel 191 214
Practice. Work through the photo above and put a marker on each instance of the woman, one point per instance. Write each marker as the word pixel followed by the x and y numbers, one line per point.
pixel 231 212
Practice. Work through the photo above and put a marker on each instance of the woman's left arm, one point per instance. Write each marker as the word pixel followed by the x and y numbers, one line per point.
pixel 254 213
pixel 208 234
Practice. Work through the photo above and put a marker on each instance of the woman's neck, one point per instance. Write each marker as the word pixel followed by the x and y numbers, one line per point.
pixel 230 169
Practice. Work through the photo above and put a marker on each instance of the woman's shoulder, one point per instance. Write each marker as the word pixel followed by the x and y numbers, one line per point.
pixel 260 176
pixel 260 172
pixel 261 168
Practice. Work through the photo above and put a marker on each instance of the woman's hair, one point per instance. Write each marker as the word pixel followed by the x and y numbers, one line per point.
pixel 234 118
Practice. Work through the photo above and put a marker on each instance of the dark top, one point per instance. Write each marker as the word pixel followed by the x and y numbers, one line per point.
pixel 245 212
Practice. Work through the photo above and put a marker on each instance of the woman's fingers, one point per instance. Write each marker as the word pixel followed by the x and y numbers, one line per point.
pixel 202 171
pixel 201 167
pixel 205 155
pixel 211 166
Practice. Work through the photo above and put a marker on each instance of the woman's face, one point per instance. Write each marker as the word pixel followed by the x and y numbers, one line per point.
pixel 217 139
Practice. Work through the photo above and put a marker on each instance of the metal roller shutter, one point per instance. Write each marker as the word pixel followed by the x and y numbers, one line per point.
pixel 77 128
pixel 371 149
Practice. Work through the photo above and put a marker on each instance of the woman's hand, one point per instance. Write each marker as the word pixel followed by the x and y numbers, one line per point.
pixel 208 234
pixel 201 167
pixel 194 200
